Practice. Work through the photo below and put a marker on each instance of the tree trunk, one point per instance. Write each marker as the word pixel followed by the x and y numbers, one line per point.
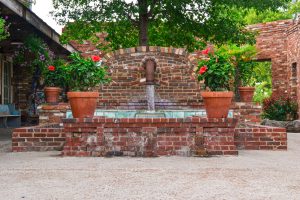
pixel 237 83
pixel 143 23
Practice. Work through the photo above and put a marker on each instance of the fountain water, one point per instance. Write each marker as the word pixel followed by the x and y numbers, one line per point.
pixel 150 94
pixel 150 67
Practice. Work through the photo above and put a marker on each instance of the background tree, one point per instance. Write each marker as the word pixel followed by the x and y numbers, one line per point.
pixel 158 22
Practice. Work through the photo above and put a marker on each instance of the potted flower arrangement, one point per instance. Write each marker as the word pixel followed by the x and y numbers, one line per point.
pixel 82 75
pixel 216 71
pixel 54 80
pixel 242 58
pixel 36 56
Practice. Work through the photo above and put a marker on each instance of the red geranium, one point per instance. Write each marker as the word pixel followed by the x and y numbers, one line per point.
pixel 51 68
pixel 205 51
pixel 96 58
pixel 203 69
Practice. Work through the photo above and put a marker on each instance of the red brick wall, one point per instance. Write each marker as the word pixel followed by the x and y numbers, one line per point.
pixel 294 57
pixel 52 114
pixel 272 44
pixel 246 112
pixel 257 137
pixel 149 137
pixel 174 85
pixel 38 138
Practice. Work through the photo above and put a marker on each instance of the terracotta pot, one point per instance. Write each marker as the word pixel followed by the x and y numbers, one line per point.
pixel 83 104
pixel 217 103
pixel 52 94
pixel 246 93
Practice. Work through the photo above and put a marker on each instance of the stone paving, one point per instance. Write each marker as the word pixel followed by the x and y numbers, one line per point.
pixel 251 175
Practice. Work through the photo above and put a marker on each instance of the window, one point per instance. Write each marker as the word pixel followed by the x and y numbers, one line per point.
pixel 6 81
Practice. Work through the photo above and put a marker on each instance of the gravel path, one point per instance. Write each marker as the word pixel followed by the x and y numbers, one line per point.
pixel 252 175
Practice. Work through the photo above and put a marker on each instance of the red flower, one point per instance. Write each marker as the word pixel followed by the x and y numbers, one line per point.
pixel 96 58
pixel 205 51
pixel 51 68
pixel 203 69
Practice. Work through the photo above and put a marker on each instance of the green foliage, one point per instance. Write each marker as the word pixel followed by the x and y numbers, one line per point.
pixel 83 74
pixel 242 58
pixel 294 8
pixel 3 29
pixel 219 70
pixel 262 77
pixel 123 34
pixel 56 77
pixel 164 34
pixel 280 109
pixel 252 16
pixel 169 23
pixel 263 90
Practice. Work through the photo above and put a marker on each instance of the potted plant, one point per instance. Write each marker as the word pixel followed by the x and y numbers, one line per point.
pixel 216 71
pixel 54 80
pixel 242 58
pixel 246 88
pixel 83 74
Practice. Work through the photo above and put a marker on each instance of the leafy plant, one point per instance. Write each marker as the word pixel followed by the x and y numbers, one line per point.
pixel 54 75
pixel 3 29
pixel 280 109
pixel 216 70
pixel 34 53
pixel 83 74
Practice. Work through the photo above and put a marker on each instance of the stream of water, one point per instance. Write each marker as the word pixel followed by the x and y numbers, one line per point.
pixel 150 91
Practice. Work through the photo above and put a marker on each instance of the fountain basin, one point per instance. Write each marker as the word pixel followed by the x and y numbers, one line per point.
pixel 149 114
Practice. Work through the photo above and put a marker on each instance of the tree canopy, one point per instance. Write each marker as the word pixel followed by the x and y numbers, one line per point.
pixel 178 23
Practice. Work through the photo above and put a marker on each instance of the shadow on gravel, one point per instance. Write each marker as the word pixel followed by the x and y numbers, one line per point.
pixel 5 139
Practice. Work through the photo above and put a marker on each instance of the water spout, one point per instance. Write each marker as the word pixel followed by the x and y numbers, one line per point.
pixel 150 67
pixel 150 92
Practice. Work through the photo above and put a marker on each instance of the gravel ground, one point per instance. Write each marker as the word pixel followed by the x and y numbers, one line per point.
pixel 252 175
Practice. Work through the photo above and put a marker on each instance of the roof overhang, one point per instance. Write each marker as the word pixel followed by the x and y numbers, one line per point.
pixel 24 22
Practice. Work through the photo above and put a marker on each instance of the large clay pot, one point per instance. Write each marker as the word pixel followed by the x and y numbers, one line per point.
pixel 52 94
pixel 246 93
pixel 217 103
pixel 83 104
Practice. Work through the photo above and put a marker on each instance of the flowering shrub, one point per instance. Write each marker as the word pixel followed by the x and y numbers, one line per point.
pixel 216 70
pixel 34 54
pixel 82 74
pixel 54 75
pixel 280 109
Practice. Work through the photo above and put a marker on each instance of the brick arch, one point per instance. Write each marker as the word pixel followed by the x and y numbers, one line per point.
pixel 175 86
